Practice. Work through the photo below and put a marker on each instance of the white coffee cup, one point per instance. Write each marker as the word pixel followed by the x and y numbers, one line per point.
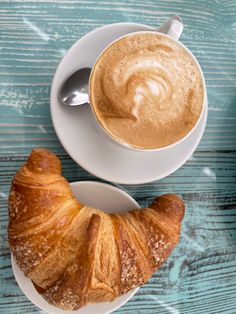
pixel 173 30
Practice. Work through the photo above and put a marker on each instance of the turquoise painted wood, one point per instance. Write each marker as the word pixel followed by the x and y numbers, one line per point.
pixel 200 275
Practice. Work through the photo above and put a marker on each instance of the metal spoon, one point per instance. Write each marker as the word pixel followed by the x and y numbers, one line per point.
pixel 74 90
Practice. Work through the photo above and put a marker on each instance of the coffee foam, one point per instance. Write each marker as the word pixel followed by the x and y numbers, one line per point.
pixel 147 91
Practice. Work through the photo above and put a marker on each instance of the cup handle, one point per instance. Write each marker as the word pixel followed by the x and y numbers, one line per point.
pixel 173 27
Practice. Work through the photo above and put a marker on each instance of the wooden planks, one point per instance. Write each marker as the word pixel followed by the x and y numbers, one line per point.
pixel 200 276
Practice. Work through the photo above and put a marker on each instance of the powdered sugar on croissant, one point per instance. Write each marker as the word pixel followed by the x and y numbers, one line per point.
pixel 75 254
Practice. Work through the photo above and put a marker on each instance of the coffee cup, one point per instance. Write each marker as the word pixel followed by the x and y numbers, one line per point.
pixel 147 90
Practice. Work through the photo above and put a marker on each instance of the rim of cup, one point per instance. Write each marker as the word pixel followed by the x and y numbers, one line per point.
pixel 126 145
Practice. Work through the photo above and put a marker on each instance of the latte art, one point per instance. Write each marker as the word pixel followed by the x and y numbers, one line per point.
pixel 140 81
pixel 146 91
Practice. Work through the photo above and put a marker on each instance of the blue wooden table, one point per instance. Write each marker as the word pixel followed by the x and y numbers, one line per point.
pixel 200 275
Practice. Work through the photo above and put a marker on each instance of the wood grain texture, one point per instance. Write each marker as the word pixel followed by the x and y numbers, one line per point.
pixel 200 275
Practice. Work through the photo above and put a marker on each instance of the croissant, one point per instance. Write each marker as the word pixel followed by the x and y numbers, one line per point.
pixel 75 254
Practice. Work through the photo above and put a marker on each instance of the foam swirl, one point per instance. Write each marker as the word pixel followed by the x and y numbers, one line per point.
pixel 144 84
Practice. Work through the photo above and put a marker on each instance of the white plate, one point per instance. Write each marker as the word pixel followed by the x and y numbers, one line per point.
pixel 88 145
pixel 109 199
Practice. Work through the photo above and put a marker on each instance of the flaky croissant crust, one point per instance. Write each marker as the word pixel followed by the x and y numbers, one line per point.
pixel 75 254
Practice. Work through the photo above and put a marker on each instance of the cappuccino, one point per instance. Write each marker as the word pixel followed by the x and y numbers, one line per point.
pixel 146 90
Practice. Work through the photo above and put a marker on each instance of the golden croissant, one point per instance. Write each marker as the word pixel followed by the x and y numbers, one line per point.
pixel 75 254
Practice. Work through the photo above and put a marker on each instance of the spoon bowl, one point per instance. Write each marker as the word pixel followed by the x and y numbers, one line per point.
pixel 74 89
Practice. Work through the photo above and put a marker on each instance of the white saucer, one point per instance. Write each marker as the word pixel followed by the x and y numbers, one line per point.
pixel 109 199
pixel 88 145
